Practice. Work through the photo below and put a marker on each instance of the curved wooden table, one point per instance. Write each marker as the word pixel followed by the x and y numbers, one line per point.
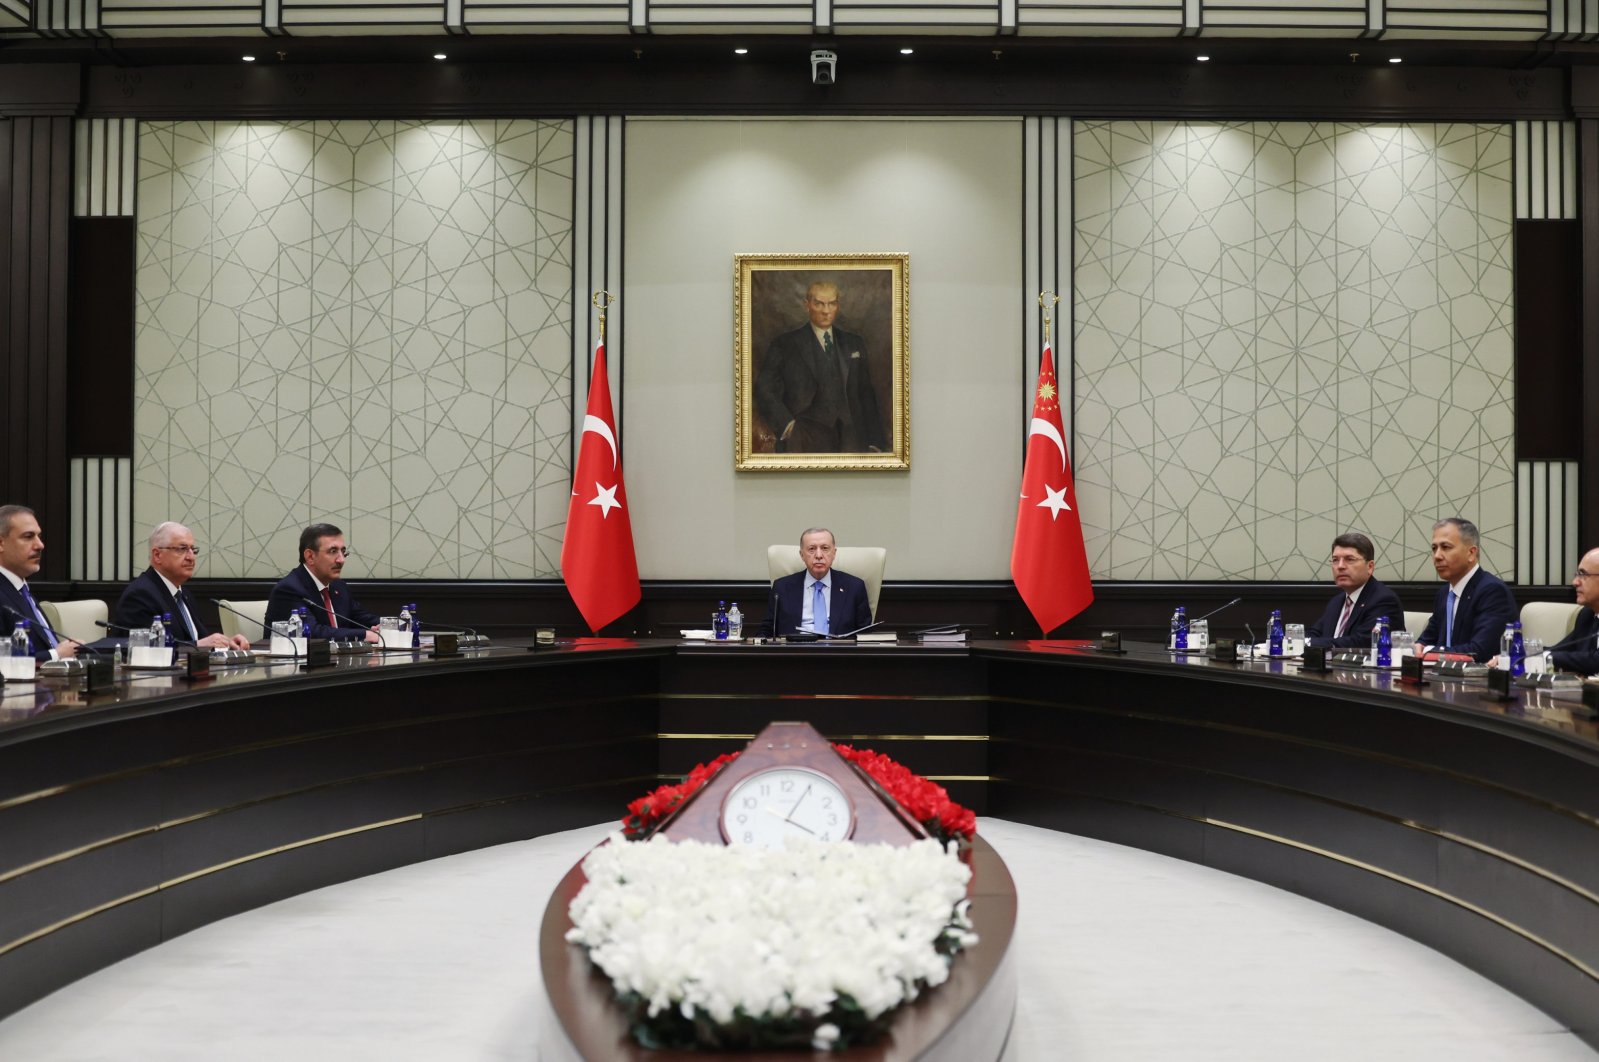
pixel 966 1019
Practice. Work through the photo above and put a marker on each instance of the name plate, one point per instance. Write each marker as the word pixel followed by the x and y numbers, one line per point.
pixel 197 664
pixel 318 652
pixel 18 668
pixel 281 646
pixel 1224 650
pixel 395 639
pixel 1315 659
pixel 446 645
pixel 149 656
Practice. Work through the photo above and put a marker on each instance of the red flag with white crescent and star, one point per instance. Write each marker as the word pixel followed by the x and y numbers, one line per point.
pixel 1048 560
pixel 597 558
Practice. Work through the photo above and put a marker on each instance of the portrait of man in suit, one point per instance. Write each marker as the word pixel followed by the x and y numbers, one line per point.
pixel 821 362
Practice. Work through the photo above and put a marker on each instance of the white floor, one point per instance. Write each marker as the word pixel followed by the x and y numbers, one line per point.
pixel 1123 955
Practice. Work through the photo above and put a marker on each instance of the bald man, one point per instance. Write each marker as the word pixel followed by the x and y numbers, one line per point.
pixel 159 589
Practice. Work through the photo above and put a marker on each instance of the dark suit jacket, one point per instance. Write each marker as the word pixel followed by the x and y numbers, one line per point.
pixel 1480 617
pixel 12 599
pixel 1579 650
pixel 848 608
pixel 294 588
pixel 1375 602
pixel 146 597
pixel 830 416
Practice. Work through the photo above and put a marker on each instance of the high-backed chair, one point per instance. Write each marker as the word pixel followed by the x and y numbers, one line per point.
pixel 76 619
pixel 252 628
pixel 1549 620
pixel 1416 622
pixel 865 563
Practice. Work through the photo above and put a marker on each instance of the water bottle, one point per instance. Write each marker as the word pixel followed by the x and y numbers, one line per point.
pixel 1507 647
pixel 1274 632
pixel 20 645
pixel 735 624
pixel 1179 630
pixel 166 630
pixel 719 621
pixel 1518 652
pixel 305 621
pixel 158 633
pixel 416 626
pixel 1383 641
pixel 405 618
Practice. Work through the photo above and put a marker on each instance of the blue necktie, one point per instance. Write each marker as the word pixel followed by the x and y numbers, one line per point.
pixel 819 608
pixel 44 628
pixel 188 620
pixel 1449 625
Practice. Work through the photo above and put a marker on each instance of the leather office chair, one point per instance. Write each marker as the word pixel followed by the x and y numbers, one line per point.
pixel 1416 622
pixel 75 619
pixel 232 624
pixel 865 563
pixel 1549 620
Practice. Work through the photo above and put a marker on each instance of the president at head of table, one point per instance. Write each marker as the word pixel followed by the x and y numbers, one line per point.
pixel 1361 600
pixel 1472 607
pixel 820 598
pixel 159 591
pixel 316 586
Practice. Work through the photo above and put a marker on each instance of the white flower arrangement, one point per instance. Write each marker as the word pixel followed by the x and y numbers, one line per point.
pixel 737 946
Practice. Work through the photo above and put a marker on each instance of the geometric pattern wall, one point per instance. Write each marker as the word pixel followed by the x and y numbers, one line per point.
pixel 1286 330
pixel 364 322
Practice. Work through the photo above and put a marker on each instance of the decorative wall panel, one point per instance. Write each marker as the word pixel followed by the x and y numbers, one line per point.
pixel 362 322
pixel 1285 331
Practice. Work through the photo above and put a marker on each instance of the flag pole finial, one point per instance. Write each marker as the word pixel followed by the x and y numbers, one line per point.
pixel 1047 299
pixel 601 300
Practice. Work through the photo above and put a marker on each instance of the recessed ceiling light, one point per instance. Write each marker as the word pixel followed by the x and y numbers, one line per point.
pixel 1202 58
pixel 440 55
pixel 741 51
pixel 907 51
pixel 1396 60
pixel 248 58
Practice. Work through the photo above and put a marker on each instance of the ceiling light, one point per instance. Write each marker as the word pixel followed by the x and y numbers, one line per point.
pixel 440 55
pixel 1202 58
pixel 248 58
pixel 741 51
pixel 1396 59
pixel 907 51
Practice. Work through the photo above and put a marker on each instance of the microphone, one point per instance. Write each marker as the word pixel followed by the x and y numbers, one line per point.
pixel 355 624
pixel 1223 608
pixel 1251 631
pixel 771 611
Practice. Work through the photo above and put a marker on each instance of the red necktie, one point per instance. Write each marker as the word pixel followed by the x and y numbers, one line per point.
pixel 327 599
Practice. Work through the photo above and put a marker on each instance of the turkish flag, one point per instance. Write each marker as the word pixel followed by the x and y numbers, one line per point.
pixel 597 558
pixel 1048 560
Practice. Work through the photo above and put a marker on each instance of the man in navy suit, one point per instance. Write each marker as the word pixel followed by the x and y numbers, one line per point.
pixel 159 590
pixel 1361 600
pixel 1579 650
pixel 815 387
pixel 1473 606
pixel 840 606
pixel 315 584
pixel 21 547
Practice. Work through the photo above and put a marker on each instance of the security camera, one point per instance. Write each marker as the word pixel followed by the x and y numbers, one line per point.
pixel 824 67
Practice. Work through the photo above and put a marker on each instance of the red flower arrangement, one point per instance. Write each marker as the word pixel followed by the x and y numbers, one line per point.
pixel 925 801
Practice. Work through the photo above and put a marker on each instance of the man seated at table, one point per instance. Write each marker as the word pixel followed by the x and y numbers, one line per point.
pixel 1579 650
pixel 331 608
pixel 1473 606
pixel 1360 602
pixel 159 590
pixel 21 553
pixel 819 599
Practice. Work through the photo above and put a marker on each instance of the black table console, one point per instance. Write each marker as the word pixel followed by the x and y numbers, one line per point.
pixel 1473 826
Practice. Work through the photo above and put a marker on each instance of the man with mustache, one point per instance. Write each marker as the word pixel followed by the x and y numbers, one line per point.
pixel 322 556
pixel 21 547
pixel 159 590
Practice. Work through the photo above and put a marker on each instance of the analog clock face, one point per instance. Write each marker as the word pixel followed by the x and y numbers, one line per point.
pixel 773 805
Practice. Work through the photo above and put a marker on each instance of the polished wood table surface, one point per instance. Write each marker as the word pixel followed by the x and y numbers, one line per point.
pixel 132 816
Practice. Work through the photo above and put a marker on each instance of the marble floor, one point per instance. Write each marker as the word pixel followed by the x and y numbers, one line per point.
pixel 1122 955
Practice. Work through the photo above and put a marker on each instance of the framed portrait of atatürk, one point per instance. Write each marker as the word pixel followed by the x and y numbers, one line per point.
pixel 821 362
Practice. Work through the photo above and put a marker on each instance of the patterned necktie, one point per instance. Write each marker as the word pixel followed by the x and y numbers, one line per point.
pixel 819 622
pixel 1349 606
pixel 38 617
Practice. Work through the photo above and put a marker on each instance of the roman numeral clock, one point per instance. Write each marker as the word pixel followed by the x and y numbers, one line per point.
pixel 789 782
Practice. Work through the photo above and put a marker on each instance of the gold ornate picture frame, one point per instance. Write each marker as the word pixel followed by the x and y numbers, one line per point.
pixel 822 346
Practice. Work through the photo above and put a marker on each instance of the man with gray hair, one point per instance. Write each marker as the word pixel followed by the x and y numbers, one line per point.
pixel 1473 606
pixel 159 590
pixel 818 600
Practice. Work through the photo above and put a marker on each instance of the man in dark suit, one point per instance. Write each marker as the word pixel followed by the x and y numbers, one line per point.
pixel 838 607
pixel 315 584
pixel 1360 602
pixel 1579 650
pixel 21 547
pixel 1473 606
pixel 815 388
pixel 159 590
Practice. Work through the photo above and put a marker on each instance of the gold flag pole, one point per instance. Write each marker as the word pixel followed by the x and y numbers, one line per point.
pixel 1053 300
pixel 602 306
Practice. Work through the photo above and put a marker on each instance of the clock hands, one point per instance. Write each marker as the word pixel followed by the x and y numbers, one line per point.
pixel 788 821
pixel 797 803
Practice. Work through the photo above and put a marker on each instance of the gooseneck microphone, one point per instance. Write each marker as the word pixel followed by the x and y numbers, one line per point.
pixel 323 606
pixel 1213 611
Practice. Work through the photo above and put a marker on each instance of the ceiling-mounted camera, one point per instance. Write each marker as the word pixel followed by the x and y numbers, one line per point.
pixel 824 67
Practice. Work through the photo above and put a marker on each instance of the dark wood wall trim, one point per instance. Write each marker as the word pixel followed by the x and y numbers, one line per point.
pixel 1548 331
pixel 100 349
pixel 1588 204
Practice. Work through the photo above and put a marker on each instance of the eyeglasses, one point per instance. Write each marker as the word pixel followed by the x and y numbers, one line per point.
pixel 182 549
pixel 1584 575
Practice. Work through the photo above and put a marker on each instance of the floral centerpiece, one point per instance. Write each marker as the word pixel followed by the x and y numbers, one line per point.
pixel 733 946
pixel 926 801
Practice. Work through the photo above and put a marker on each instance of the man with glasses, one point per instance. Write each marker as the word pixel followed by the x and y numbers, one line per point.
pixel 1360 602
pixel 159 590
pixel 1579 650
pixel 315 585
